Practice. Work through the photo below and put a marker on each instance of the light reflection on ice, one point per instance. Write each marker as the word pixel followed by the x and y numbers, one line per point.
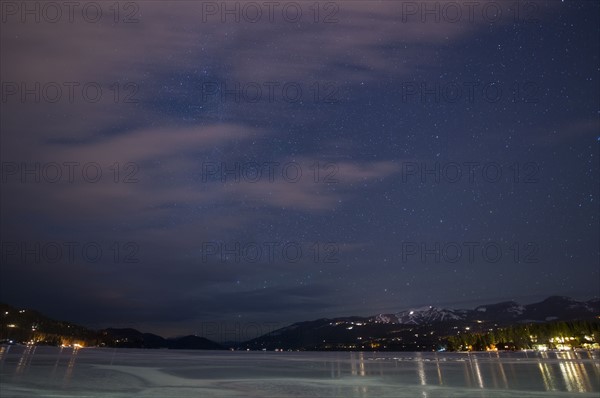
pixel 70 367
pixel 477 372
pixel 65 372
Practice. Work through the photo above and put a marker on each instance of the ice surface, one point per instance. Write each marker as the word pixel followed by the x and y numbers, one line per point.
pixel 95 372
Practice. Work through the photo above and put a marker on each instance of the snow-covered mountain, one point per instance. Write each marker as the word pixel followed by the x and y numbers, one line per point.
pixel 422 316
pixel 555 307
pixel 419 328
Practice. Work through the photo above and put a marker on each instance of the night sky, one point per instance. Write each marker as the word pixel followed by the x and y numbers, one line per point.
pixel 175 167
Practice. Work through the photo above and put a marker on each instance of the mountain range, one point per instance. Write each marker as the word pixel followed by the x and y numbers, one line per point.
pixel 552 308
pixel 422 328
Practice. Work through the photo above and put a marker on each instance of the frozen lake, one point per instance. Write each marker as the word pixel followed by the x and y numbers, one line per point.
pixel 94 372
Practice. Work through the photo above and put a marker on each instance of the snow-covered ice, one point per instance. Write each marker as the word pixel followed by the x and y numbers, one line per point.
pixel 102 372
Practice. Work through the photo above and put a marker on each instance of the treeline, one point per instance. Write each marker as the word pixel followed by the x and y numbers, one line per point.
pixel 528 336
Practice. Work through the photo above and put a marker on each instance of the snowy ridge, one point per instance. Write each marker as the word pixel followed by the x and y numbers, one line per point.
pixel 555 307
pixel 426 315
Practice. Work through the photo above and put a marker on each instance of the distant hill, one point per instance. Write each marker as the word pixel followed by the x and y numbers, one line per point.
pixel 193 343
pixel 552 308
pixel 131 338
pixel 423 328
pixel 25 325
pixel 22 325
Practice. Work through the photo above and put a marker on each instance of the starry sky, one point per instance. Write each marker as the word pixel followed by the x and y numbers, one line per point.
pixel 202 166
